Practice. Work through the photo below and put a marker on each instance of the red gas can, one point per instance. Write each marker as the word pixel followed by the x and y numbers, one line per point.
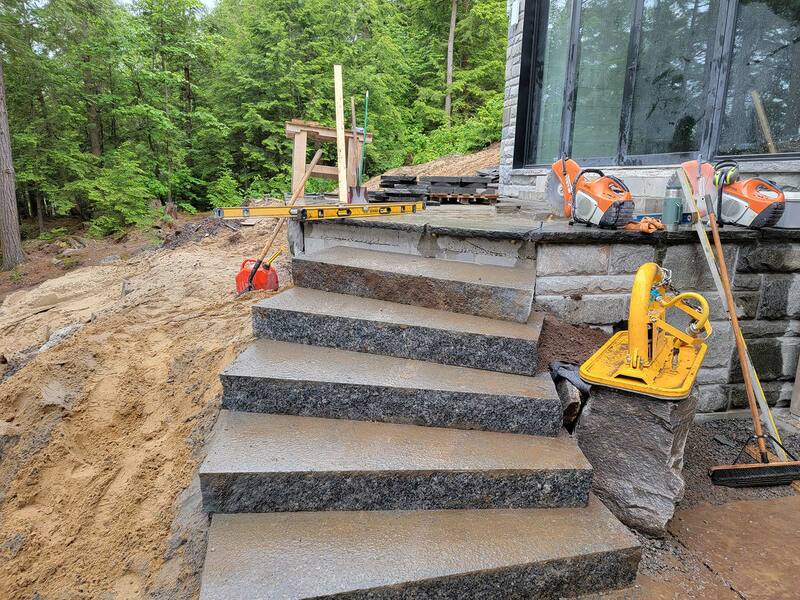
pixel 266 278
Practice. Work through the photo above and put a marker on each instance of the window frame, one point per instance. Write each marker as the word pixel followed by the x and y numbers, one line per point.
pixel 534 38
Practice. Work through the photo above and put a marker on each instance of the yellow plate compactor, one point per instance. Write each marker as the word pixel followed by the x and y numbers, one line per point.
pixel 653 357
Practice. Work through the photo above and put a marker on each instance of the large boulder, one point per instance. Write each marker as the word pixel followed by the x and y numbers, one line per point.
pixel 635 445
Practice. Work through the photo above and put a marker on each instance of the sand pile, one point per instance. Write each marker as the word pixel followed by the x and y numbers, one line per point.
pixel 111 419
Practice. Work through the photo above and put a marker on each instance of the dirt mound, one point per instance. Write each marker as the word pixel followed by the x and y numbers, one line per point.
pixel 565 342
pixel 96 491
pixel 450 165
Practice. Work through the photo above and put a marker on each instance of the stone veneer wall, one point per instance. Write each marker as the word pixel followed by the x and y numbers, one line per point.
pixel 590 284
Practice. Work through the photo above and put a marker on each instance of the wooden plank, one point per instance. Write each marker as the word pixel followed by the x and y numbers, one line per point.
pixel 325 171
pixel 341 152
pixel 320 133
pixel 299 160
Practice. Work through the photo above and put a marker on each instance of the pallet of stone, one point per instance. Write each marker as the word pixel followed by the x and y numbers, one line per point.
pixel 463 198
pixel 390 181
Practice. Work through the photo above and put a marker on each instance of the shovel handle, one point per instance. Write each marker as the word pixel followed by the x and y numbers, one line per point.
pixel 297 190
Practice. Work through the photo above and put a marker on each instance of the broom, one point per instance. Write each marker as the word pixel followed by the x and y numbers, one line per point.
pixel 763 473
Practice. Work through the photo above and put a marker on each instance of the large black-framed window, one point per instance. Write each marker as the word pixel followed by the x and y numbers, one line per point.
pixel 648 82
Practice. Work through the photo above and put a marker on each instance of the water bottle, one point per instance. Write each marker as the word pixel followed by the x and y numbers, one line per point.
pixel 672 209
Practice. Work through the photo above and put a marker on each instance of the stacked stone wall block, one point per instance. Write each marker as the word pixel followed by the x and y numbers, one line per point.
pixel 712 398
pixel 771 258
pixel 599 309
pixel 780 296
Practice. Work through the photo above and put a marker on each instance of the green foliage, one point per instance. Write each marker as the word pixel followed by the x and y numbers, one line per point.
pixel 53 234
pixel 117 107
pixel 17 276
pixel 224 191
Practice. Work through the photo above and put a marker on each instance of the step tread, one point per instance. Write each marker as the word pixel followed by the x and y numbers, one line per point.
pixel 262 443
pixel 419 266
pixel 319 302
pixel 313 554
pixel 272 359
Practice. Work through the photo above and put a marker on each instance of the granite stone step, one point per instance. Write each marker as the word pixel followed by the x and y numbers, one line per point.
pixel 319 318
pixel 273 463
pixel 376 555
pixel 295 379
pixel 483 290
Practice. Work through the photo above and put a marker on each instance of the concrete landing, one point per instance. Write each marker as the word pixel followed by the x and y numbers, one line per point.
pixel 489 291
pixel 526 553
pixel 266 463
pixel 284 378
pixel 319 318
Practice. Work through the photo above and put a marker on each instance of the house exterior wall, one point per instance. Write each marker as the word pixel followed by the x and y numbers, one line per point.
pixel 525 186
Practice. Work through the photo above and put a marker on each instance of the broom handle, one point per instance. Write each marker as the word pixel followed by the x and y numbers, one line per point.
pixel 295 194
pixel 748 382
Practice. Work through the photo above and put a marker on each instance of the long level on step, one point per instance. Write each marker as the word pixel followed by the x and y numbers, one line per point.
pixel 320 211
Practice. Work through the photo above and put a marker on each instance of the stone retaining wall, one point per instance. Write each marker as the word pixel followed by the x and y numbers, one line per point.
pixel 585 276
pixel 590 284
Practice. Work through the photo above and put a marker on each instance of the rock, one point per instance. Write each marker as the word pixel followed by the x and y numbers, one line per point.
pixel 588 284
pixel 689 269
pixel 572 259
pixel 627 258
pixel 635 445
pixel 780 297
pixel 771 258
pixel 713 398
pixel 112 258
pixel 59 335
pixel 598 309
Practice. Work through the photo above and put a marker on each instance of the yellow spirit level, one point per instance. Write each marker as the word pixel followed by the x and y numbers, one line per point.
pixel 312 212
pixel 653 357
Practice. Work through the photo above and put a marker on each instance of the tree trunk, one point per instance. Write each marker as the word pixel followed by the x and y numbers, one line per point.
pixel 9 219
pixel 448 101
pixel 92 124
pixel 39 211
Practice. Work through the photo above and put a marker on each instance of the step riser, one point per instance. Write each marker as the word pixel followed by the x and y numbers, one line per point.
pixel 433 408
pixel 550 580
pixel 294 492
pixel 460 349
pixel 543 581
pixel 456 296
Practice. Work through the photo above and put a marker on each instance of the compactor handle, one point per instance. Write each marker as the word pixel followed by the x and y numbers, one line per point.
pixel 701 317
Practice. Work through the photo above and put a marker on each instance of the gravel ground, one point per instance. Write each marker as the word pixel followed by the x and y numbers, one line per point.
pixel 717 443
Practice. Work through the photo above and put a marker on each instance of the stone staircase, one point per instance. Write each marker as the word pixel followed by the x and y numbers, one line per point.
pixel 386 437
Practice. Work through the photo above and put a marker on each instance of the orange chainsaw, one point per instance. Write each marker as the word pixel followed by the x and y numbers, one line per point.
pixel 752 202
pixel 588 195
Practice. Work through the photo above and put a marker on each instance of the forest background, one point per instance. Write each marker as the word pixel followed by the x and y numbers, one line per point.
pixel 117 109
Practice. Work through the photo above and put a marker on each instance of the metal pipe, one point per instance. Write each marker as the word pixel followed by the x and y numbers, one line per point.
pixel 638 314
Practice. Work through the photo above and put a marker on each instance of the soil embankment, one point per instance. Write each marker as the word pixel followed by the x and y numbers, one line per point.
pixel 112 417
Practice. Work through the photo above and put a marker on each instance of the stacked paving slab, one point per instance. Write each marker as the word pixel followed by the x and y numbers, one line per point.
pixel 386 436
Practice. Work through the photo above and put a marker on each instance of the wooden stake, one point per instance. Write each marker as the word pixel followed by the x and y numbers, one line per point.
pixel 761 114
pixel 341 158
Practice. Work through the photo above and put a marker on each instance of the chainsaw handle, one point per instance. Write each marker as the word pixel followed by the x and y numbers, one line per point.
pixel 701 318
pixel 583 172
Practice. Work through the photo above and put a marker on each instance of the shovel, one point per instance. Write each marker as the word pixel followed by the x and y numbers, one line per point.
pixel 358 193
